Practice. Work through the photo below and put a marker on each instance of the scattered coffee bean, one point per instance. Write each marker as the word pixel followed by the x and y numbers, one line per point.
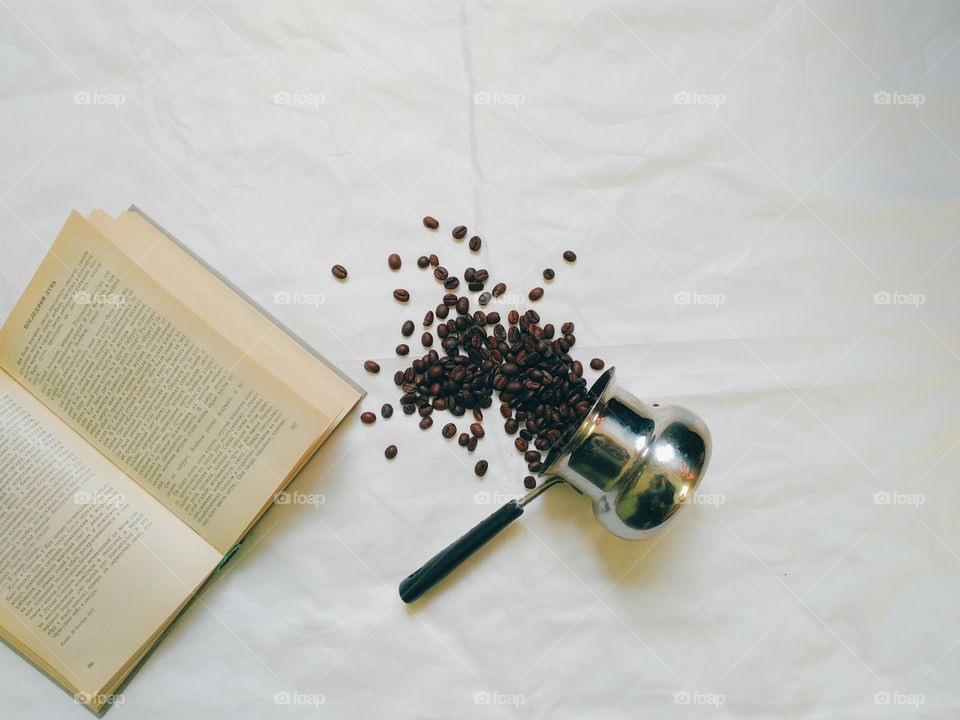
pixel 434 260
pixel 478 415
pixel 403 349
pixel 472 443
pixel 499 289
pixel 428 319
pixel 441 273
pixel 423 261
pixel 339 272
pixel 484 299
pixel 391 452
pixel 451 283
pixel 510 426
pixel 398 377
pixel 460 231
pixel 535 294
pixel 521 444
pixel 463 439
pixel 570 256
pixel 475 243
pixel 549 274
pixel 426 339
pixel 394 262
pixel 368 418
pixel 386 411
pixel 596 364
pixel 426 422
pixel 480 468
pixel 401 295
pixel 477 430
pixel 481 276
pixel 407 328
pixel 449 430
pixel 430 222
pixel 529 482
pixel 371 367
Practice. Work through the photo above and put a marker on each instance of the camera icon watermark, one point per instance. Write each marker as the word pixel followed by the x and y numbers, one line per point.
pixel 287 697
pixel 695 297
pixel 296 297
pixel 895 97
pixel 914 500
pixel 884 697
pixel 697 697
pixel 695 97
pixel 896 297
pixel 298 98
pixel 298 498
pixel 96 97
pixel 496 97
pixel 494 697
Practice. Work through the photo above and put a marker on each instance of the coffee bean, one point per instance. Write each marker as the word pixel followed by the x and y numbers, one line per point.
pixel 402 349
pixel 535 294
pixel 426 422
pixel 529 482
pixel 480 468
pixel 478 415
pixel 470 274
pixel 339 272
pixel 521 444
pixel 409 409
pixel 513 317
pixel 463 305
pixel 535 467
pixel 475 286
pixel 460 231
pixel 423 261
pixel 430 222
pixel 477 430
pixel 475 243
pixel 463 440
pixel 499 289
pixel 505 411
pixel 393 262
pixel 449 430
pixel 371 367
pixel 434 260
pixel 570 256
pixel 481 276
pixel 368 418
pixel 441 273
pixel 391 452
pixel 407 328
pixel 451 283
pixel 386 411
pixel 426 339
pixel 510 426
pixel 531 456
pixel 567 328
pixel 472 443
pixel 398 377
pixel 401 295
pixel 549 274
pixel 483 299
pixel 596 364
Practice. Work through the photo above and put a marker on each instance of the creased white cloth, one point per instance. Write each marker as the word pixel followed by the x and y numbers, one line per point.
pixel 763 197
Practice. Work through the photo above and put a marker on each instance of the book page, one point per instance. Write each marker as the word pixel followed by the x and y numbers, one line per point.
pixel 190 416
pixel 91 565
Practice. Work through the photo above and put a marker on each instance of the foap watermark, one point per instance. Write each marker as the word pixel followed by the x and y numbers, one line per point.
pixel 702 498
pixel 494 697
pixel 287 697
pixel 896 497
pixel 514 300
pixel 84 698
pixel 85 497
pixel 884 697
pixel 695 97
pixel 896 297
pixel 697 697
pixel 82 297
pixel 97 97
pixel 496 97
pixel 895 97
pixel 486 497
pixel 299 98
pixel 695 297
pixel 297 297
pixel 298 498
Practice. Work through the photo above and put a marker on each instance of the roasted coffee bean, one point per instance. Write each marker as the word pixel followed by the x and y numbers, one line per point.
pixel 463 439
pixel 463 305
pixel 339 272
pixel 531 456
pixel 430 222
pixel 513 317
pixel 426 339
pixel 483 299
pixel 499 289
pixel 386 411
pixel 425 422
pixel 567 328
pixel 505 411
pixel 407 328
pixel 535 294
pixel 393 262
pixel 449 430
pixel 549 274
pixel 423 261
pixel 535 467
pixel 472 443
pixel 371 367
pixel 409 409
pixel 459 232
pixel 391 452
pixel 368 418
pixel 475 243
pixel 451 283
pixel 481 468
pixel 478 415
pixel 470 274
pixel 475 286
pixel 441 273
pixel 403 349
pixel 596 364
pixel 521 444
pixel 398 377
pixel 401 295
pixel 510 426
pixel 477 430
pixel 481 276
pixel 434 260
pixel 450 299
pixel 570 256
pixel 493 318
pixel 529 482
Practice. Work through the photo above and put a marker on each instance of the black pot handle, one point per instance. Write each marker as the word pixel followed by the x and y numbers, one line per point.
pixel 443 563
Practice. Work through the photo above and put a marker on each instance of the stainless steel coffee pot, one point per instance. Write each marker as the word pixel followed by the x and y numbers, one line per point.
pixel 639 464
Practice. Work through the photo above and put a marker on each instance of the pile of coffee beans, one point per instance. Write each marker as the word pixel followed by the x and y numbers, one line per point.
pixel 526 364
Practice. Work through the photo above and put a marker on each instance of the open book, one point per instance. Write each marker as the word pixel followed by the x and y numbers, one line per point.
pixel 149 414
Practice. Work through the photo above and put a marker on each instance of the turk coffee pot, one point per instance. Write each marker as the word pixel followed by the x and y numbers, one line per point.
pixel 639 464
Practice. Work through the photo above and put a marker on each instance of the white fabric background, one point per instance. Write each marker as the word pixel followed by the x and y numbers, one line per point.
pixel 796 200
